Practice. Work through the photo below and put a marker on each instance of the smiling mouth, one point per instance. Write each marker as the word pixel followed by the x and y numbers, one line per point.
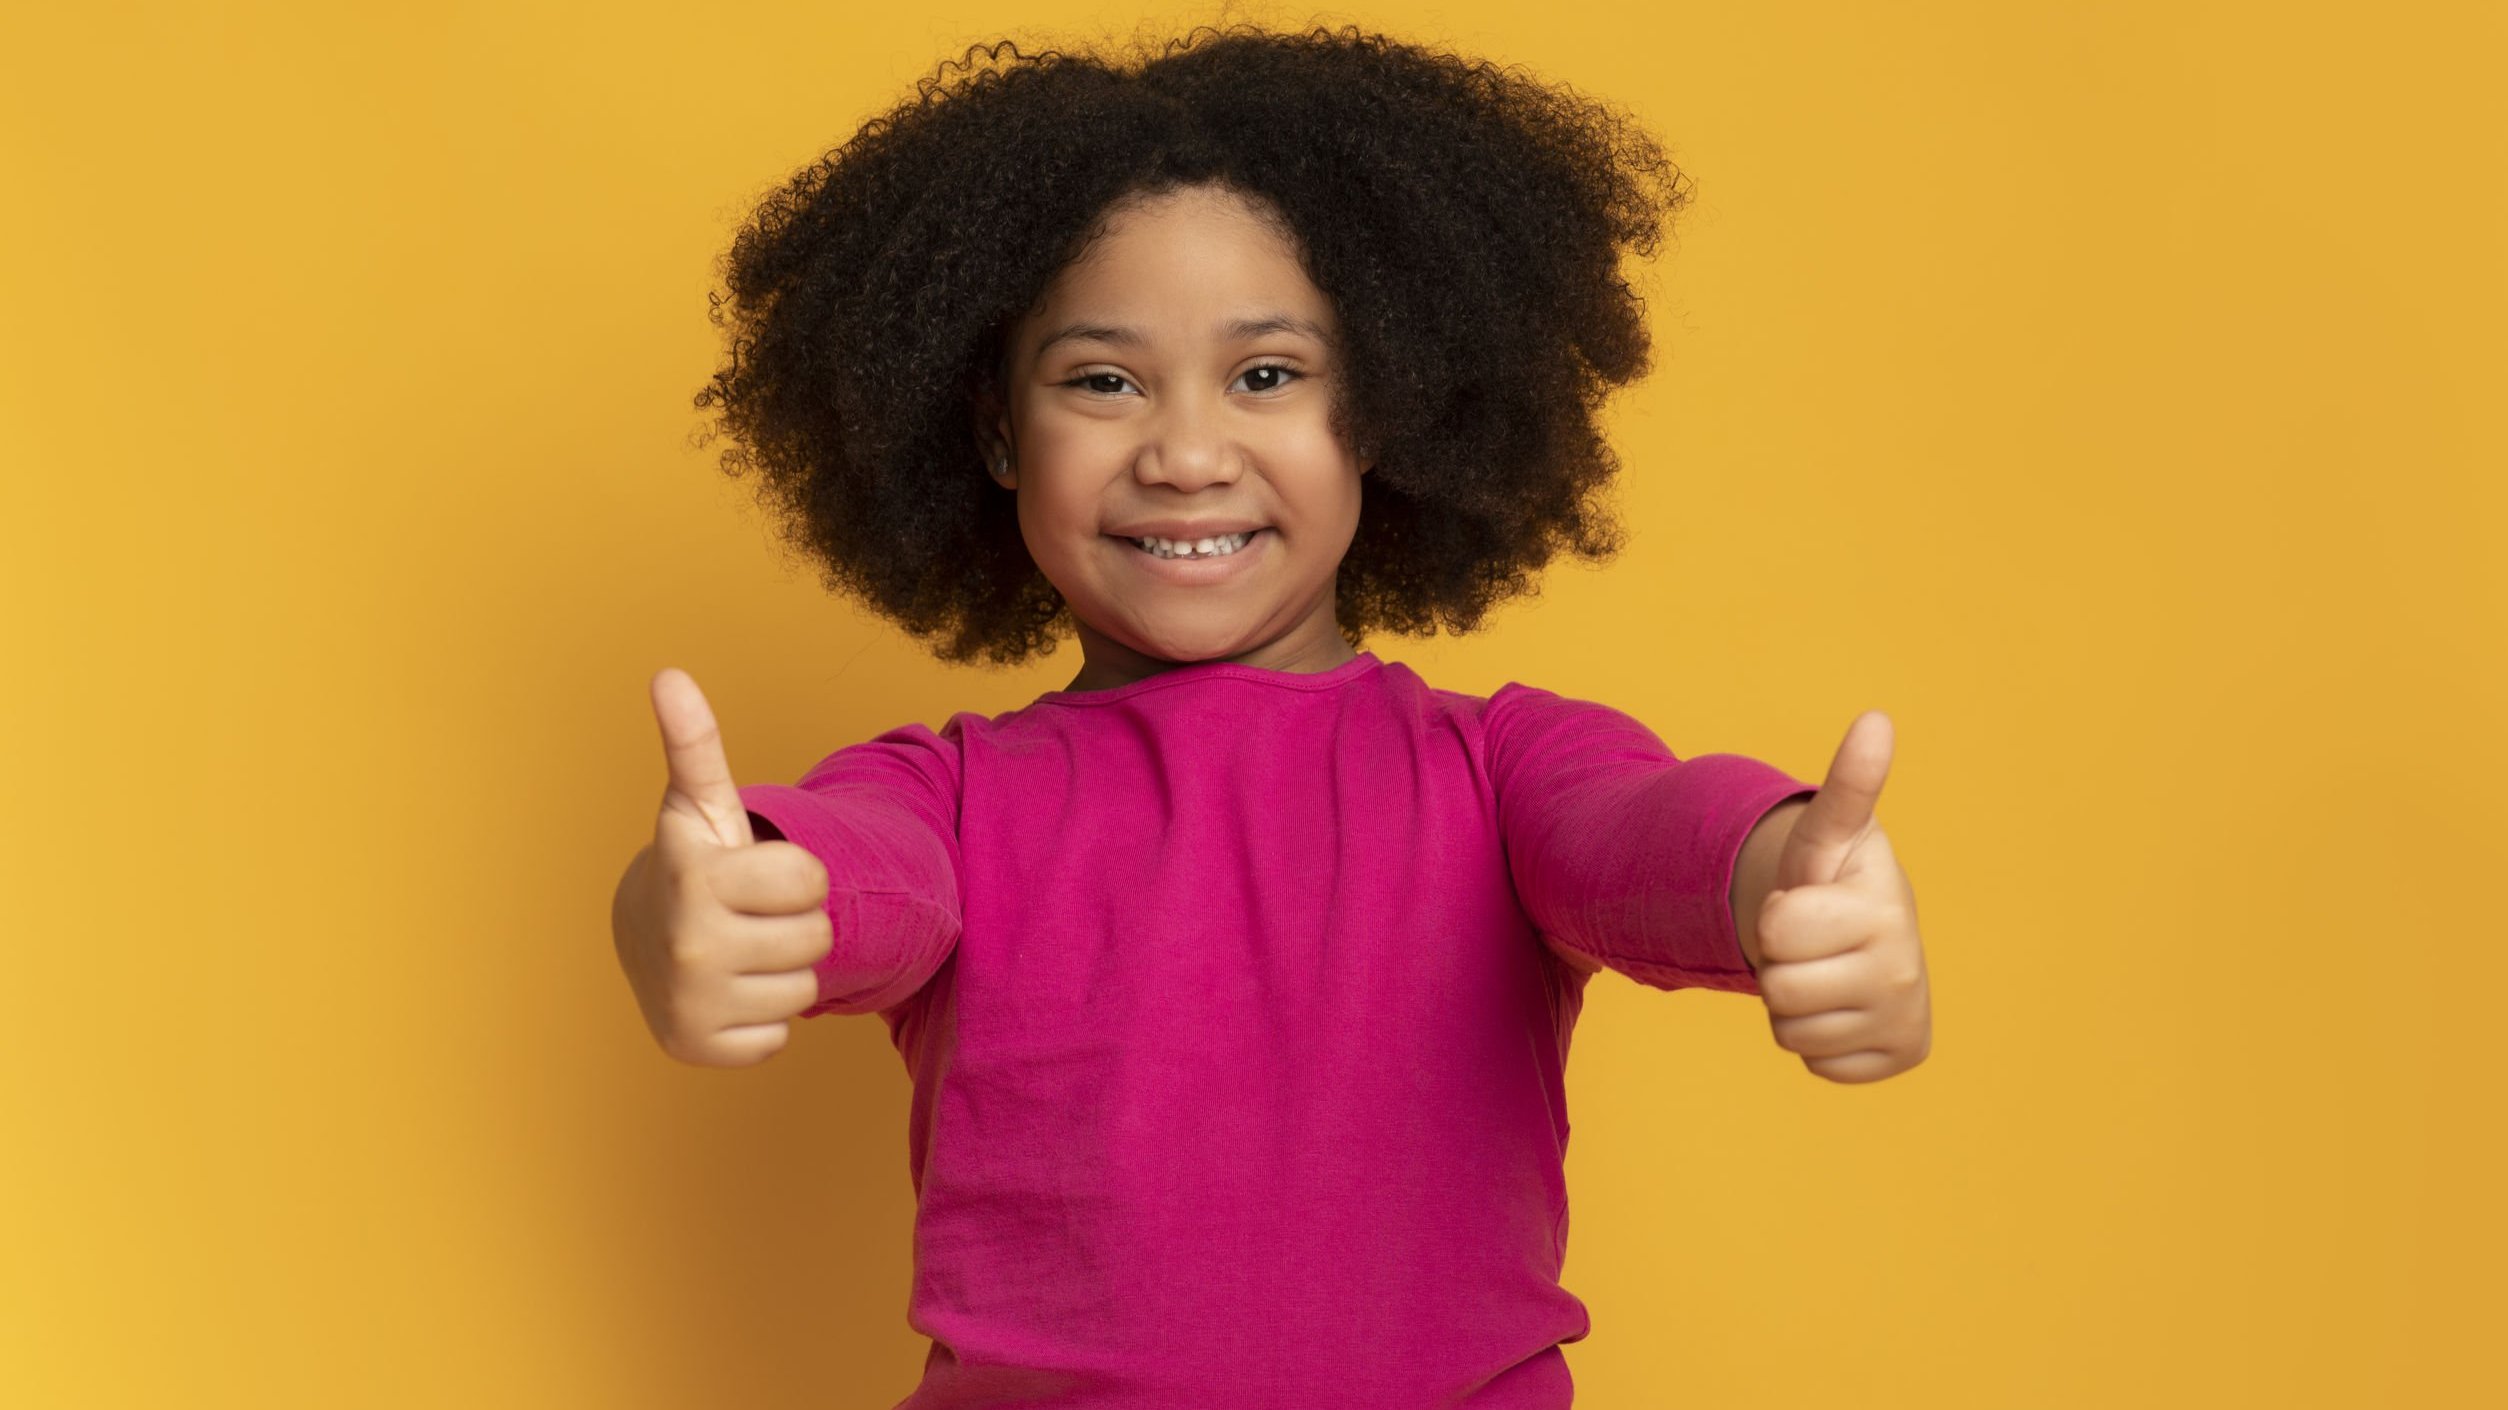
pixel 1220 546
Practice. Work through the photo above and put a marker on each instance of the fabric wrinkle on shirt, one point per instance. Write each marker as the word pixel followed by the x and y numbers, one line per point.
pixel 1237 1006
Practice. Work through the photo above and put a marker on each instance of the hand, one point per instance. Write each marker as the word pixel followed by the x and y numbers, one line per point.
pixel 716 930
pixel 1842 967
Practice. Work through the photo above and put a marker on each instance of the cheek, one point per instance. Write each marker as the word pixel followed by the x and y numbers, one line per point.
pixel 1062 445
pixel 1334 496
pixel 1329 475
pixel 1059 527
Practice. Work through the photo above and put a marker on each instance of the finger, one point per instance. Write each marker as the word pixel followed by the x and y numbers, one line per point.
pixel 746 1045
pixel 781 944
pixel 768 879
pixel 1871 867
pixel 1815 922
pixel 1818 986
pixel 1870 1065
pixel 700 787
pixel 1841 812
pixel 1831 1034
pixel 768 998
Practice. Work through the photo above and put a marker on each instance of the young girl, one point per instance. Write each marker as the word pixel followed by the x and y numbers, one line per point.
pixel 1236 978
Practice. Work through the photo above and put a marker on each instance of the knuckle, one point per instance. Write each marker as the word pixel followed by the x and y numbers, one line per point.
pixel 688 884
pixel 714 1051
pixel 1842 1069
pixel 812 870
pixel 808 864
pixel 708 870
pixel 692 949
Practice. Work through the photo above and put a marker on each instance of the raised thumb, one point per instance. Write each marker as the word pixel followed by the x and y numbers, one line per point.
pixel 700 794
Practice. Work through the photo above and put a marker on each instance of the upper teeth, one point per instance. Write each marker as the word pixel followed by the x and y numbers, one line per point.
pixel 1195 548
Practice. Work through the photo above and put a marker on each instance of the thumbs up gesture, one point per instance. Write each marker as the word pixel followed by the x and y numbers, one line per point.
pixel 1842 969
pixel 716 930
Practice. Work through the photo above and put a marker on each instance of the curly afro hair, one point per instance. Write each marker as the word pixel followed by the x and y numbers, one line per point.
pixel 1466 222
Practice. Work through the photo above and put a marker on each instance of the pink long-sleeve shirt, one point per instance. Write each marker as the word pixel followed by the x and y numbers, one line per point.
pixel 1237 1004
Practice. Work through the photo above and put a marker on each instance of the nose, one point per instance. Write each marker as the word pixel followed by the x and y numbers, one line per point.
pixel 1188 447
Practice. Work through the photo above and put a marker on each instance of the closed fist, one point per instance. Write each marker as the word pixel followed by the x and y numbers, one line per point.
pixel 716 930
pixel 1842 966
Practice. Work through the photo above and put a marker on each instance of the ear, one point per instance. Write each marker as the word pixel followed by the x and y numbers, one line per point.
pixel 993 442
pixel 1004 466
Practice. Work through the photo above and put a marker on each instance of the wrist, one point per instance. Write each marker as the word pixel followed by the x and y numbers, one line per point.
pixel 1754 872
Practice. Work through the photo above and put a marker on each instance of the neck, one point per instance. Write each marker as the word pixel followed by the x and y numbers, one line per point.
pixel 1107 663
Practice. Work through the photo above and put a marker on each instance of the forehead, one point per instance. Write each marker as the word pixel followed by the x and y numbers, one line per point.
pixel 1182 262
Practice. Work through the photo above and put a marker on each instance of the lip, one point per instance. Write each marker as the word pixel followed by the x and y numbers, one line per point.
pixel 1194 571
pixel 1181 531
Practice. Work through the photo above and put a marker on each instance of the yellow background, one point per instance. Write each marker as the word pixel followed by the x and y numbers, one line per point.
pixel 2111 393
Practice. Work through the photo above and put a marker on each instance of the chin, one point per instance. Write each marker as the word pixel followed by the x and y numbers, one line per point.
pixel 1187 648
pixel 1191 656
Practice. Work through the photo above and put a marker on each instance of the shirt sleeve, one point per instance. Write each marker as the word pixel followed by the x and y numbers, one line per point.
pixel 882 816
pixel 1623 853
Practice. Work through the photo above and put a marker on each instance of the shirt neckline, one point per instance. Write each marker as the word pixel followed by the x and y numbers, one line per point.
pixel 1351 669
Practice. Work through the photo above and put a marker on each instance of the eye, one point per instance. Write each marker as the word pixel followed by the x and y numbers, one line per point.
pixel 1279 375
pixel 1282 376
pixel 1088 381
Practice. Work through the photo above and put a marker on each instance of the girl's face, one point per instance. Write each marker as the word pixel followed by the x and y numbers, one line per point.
pixel 1174 386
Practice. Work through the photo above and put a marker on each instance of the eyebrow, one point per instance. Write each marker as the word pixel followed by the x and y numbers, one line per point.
pixel 1237 330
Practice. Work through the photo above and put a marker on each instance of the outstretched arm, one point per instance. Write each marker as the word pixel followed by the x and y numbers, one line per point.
pixel 1624 855
pixel 881 816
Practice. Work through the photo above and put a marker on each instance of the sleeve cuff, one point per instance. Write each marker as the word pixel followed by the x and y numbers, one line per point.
pixel 1749 808
pixel 889 933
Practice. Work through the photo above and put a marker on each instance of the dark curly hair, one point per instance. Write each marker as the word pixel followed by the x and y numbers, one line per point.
pixel 1465 221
